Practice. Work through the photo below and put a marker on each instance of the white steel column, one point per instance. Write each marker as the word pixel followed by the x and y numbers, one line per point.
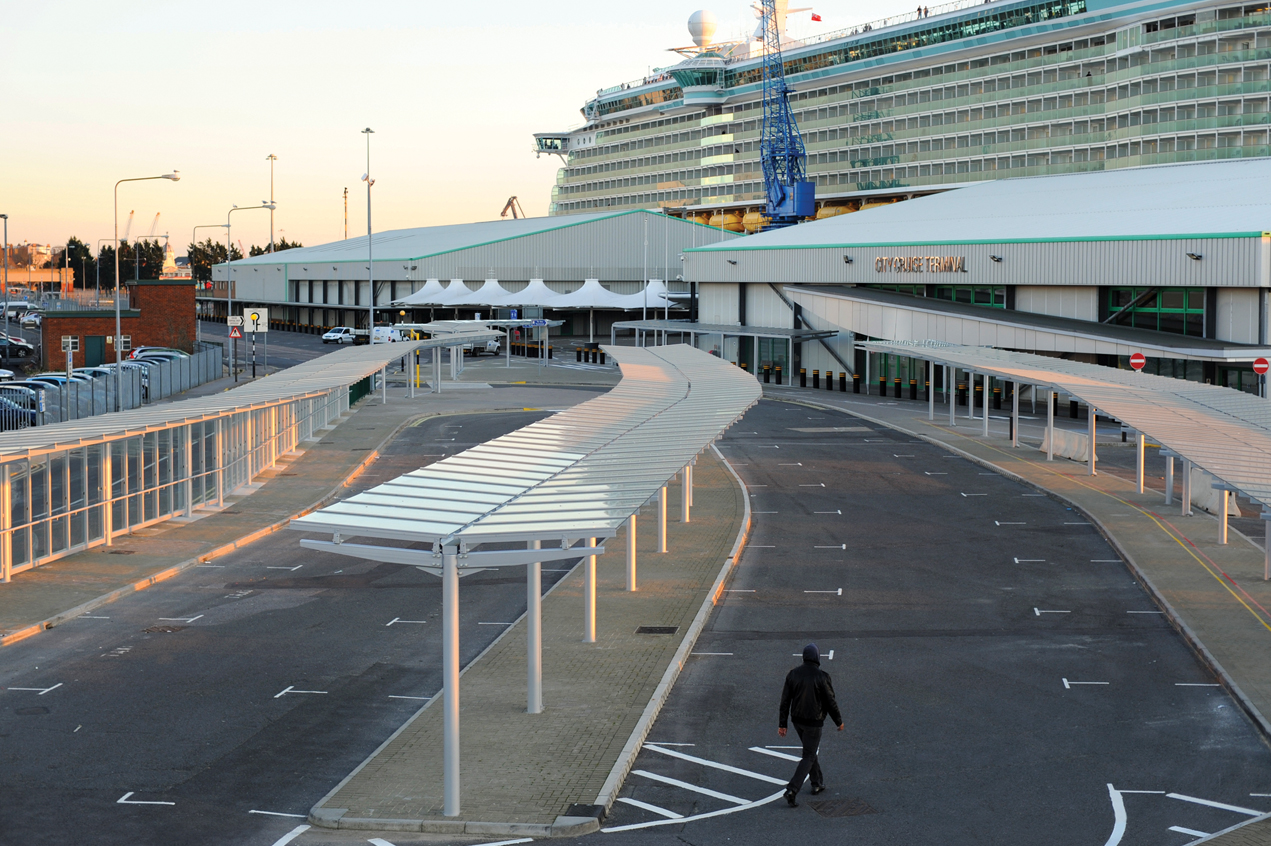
pixel 1223 510
pixel 1169 479
pixel 1140 443
pixel 189 471
pixel 1015 414
pixel 931 390
pixel 970 395
pixel 1187 488
pixel 384 384
pixel 219 452
pixel 534 631
pixel 1266 540
pixel 685 493
pixel 450 678
pixel 6 523
pixel 589 597
pixel 950 377
pixel 1091 415
pixel 691 465
pixel 108 488
pixel 436 370
pixel 985 403
pixel 662 519
pixel 1050 424
pixel 413 374
pixel 631 552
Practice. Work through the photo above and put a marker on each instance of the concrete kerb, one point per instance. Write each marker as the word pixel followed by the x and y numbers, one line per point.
pixel 239 543
pixel 563 826
pixel 1255 716
pixel 1218 835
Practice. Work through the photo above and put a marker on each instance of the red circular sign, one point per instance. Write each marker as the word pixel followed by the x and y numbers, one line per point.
pixel 1260 366
pixel 1138 360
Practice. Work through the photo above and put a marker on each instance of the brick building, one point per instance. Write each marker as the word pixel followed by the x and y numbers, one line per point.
pixel 160 314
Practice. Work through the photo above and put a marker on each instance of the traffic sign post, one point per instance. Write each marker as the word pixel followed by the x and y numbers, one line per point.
pixel 255 321
pixel 70 346
pixel 1138 361
pixel 235 333
pixel 1260 367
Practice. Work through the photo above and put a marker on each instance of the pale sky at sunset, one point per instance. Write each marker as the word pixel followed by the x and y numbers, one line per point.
pixel 96 92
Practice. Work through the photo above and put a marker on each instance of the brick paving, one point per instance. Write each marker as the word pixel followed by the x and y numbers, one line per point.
pixel 1256 833
pixel 523 768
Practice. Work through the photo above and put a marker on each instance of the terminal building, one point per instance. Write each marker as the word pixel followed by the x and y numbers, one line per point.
pixel 910 105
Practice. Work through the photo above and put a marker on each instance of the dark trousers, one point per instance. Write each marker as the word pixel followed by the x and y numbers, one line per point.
pixel 810 736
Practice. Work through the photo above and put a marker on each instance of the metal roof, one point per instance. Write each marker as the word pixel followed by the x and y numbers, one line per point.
pixel 578 474
pixel 1203 199
pixel 724 329
pixel 1226 433
pixel 318 376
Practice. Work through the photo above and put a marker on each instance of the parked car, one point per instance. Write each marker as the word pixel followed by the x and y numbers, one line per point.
pixel 15 416
pixel 137 352
pixel 340 335
pixel 100 372
pixel 60 378
pixel 7 375
pixel 158 355
pixel 16 348
pixel 32 320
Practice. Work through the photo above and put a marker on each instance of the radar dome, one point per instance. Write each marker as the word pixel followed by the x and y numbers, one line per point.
pixel 701 26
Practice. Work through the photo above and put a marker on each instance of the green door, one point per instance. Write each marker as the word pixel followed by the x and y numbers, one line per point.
pixel 94 350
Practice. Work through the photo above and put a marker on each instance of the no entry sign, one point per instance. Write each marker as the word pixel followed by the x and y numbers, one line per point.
pixel 1138 360
pixel 1260 366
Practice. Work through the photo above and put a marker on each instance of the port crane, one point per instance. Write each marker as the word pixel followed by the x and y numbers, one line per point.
pixel 791 196
pixel 513 205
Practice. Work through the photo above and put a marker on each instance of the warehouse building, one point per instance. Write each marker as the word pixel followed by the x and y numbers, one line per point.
pixel 1171 261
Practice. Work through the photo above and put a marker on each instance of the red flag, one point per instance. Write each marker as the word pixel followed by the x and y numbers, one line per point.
pixel 815 16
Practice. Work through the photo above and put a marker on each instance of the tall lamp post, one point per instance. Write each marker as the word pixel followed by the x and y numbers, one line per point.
pixel 370 258
pixel 174 176
pixel 229 276
pixel 194 238
pixel 5 218
pixel 271 158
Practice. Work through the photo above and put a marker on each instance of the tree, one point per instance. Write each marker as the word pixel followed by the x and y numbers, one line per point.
pixel 81 261
pixel 204 255
pixel 279 246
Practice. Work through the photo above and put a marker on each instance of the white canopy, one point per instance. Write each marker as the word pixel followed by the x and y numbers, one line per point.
pixel 591 295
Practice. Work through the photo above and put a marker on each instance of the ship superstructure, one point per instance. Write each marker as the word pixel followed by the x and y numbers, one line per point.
pixel 928 101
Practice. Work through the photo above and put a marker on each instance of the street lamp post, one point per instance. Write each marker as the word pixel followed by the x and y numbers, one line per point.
pixel 194 238
pixel 174 176
pixel 229 276
pixel 271 158
pixel 5 218
pixel 370 258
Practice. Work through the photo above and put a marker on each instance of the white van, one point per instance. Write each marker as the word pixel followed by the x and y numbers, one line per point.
pixel 387 335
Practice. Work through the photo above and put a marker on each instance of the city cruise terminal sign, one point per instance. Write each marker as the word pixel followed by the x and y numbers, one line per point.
pixel 920 264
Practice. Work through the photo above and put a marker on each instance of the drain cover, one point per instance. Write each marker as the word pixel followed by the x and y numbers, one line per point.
pixel 163 629
pixel 657 629
pixel 842 808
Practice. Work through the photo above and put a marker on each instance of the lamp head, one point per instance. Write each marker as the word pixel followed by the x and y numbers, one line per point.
pixel 175 176
pixel 368 131
pixel 270 206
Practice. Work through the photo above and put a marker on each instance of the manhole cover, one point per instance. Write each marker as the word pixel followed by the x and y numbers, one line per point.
pixel 657 630
pixel 842 807
pixel 121 552
pixel 31 712
pixel 163 629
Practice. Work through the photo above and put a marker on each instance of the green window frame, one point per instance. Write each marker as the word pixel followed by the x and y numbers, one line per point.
pixel 1179 311
pixel 982 295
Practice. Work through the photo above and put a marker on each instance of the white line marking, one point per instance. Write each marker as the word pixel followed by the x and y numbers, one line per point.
pixel 795 464
pixel 1189 831
pixel 1000 523
pixel 292 689
pixel 929 473
pixel 821 485
pixel 42 690
pixel 705 791
pixel 1152 792
pixel 738 590
pixel 496 624
pixel 379 841
pixel 756 804
pixel 504 842
pixel 400 620
pixel 181 619
pixel 831 654
pixel 422 698
pixel 1145 612
pixel 710 653
pixel 87 617
pixel 1068 684
pixel 1105 560
pixel 967 494
pixel 757 546
pixel 665 743
pixel 276 814
pixel 838 592
pixel 839 511
pixel 783 756
pixel 1118 817
pixel 834 546
pixel 124 800
pixel 753 486
pixel 1260 794
pixel 718 766
pixel 1221 806
pixel 297 567
pixel 670 815
pixel 291 835
pixel 1082 523
pixel 762 512
pixel 1030 560
pixel 1039 612
pixel 783 747
pixel 894 455
pixel 1196 684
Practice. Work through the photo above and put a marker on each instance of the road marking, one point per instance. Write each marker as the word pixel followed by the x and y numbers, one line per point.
pixel 1082 523
pixel 838 592
pixel 764 512
pixel 1219 805
pixel 292 689
pixel 724 811
pixel 181 619
pixel 1000 523
pixel 929 473
pixel 783 747
pixel 496 624
pixel 821 485
pixel 835 546
pixel 715 765
pixel 400 620
pixel 124 800
pixel 42 690
pixel 1037 611
pixel 1196 684
pixel 839 511
pixel 1260 794
pixel 291 835
pixel 421 698
pixel 1105 560
pixel 87 617
pixel 212 566
pixel 276 814
pixel 1030 560
pixel 665 743
pixel 1032 494
pixel 894 455
pixel 1118 816
pixel 1189 831
pixel 1068 684
pixel 795 464
pixel 1145 612
pixel 757 546
pixel 756 486
pixel 762 751
pixel 293 569
pixel 828 655
pixel 967 494
pixel 710 653
pixel 705 791
pixel 670 815
pixel 737 590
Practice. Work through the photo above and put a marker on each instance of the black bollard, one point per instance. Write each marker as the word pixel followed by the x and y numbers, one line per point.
pixel 842 382
pixel 778 374
pixel 1073 411
pixel 767 373
pixel 856 383
pixel 578 354
pixel 816 378
pixel 913 389
pixel 803 377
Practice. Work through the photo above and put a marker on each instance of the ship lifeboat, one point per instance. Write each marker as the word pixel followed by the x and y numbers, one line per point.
pixel 754 221
pixel 704 219
pixel 832 211
pixel 730 221
pixel 876 204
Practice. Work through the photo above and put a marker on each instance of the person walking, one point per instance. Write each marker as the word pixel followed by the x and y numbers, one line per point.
pixel 806 699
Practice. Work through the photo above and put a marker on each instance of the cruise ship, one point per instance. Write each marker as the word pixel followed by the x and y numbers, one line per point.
pixel 928 101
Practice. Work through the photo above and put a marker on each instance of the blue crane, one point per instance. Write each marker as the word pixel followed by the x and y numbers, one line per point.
pixel 791 196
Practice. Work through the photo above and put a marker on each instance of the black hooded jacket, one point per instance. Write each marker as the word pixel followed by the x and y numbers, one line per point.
pixel 808 696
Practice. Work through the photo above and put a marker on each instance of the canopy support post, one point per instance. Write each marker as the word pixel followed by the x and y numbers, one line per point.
pixel 450 677
pixel 1222 516
pixel 631 552
pixel 662 519
pixel 1140 443
pixel 951 376
pixel 931 390
pixel 1015 414
pixel 589 597
pixel 384 384
pixel 1169 479
pixel 984 403
pixel 1266 542
pixel 1187 488
pixel 534 631
pixel 686 493
pixel 1091 415
pixel 1050 424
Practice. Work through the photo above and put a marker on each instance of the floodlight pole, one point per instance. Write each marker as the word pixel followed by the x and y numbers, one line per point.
pixel 5 218
pixel 229 278
pixel 370 258
pixel 450 678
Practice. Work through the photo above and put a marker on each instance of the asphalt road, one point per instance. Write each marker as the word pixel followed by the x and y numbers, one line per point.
pixel 966 602
pixel 281 349
pixel 202 692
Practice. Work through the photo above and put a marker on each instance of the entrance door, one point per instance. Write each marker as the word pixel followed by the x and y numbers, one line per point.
pixel 94 350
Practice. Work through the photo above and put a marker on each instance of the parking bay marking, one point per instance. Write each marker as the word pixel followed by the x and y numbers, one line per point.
pixel 829 656
pixel 277 814
pixel 820 485
pixel 979 494
pixel 1191 832
pixel 180 619
pixel 1038 612
pixel 124 800
pixel 1030 560
pixel 292 689
pixel 400 620
pixel 705 791
pixel 1000 523
pixel 42 690
pixel 670 815
pixel 1068 684
pixel 782 755
pixel 838 592
pixel 839 512
pixel 291 835
pixel 715 765
pixel 1210 803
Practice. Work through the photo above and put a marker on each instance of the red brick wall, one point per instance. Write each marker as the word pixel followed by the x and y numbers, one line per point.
pixel 161 314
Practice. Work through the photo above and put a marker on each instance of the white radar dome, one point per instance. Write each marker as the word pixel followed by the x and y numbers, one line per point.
pixel 702 25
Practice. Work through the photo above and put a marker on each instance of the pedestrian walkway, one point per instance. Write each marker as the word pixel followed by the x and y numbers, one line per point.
pixel 1253 833
pixel 1214 594
pixel 523 773
pixel 45 596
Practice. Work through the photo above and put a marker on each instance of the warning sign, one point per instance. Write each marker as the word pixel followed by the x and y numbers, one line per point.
pixel 235 332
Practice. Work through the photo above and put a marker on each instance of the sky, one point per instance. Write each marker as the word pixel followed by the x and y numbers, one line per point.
pixel 101 91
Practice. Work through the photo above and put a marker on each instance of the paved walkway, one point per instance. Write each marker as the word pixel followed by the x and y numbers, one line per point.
pixel 45 596
pixel 1253 833
pixel 522 772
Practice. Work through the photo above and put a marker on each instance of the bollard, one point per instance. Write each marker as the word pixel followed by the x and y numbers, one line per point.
pixel 913 389
pixel 743 366
pixel 803 377
pixel 842 382
pixel 578 354
pixel 767 373
pixel 997 399
pixel 895 386
pixel 602 356
pixel 816 378
pixel 829 380
pixel 882 386
pixel 856 383
pixel 1073 411
pixel 961 392
pixel 549 351
pixel 778 374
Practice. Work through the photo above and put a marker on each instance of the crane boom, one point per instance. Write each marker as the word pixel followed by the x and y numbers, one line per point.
pixel 790 195
pixel 154 224
pixel 513 205
pixel 128 228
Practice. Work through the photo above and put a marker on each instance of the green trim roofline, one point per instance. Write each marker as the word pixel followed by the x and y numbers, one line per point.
pixel 845 245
